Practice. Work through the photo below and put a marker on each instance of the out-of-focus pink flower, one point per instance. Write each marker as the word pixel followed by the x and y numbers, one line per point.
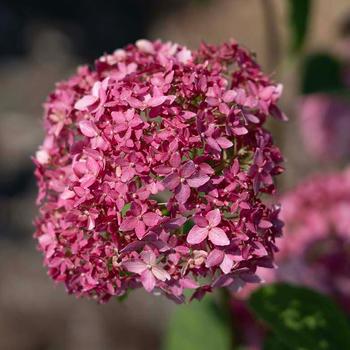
pixel 316 248
pixel 152 172
pixel 324 121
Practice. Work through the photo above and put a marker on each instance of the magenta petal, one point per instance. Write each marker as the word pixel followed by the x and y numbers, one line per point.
pixel 224 142
pixel 171 181
pixel 227 263
pixel 188 283
pixel 214 217
pixel 182 193
pixel 150 219
pixel 148 280
pixel 218 236
pixel 160 273
pixel 214 258
pixel 140 229
pixel 128 224
pixel 197 235
pixel 197 180
pixel 136 266
pixel 213 144
pixel 187 169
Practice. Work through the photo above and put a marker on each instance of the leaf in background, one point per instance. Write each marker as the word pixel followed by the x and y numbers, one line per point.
pixel 299 15
pixel 321 72
pixel 273 343
pixel 198 326
pixel 301 318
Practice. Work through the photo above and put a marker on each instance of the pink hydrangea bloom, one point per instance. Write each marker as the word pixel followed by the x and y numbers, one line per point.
pixel 316 248
pixel 327 118
pixel 152 170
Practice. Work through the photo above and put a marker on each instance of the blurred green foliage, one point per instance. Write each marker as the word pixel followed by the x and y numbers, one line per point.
pixel 300 318
pixel 200 325
pixel 321 72
pixel 299 17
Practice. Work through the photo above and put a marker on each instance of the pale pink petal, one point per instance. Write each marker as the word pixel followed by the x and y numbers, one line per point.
pixel 227 263
pixel 150 219
pixel 229 96
pixel 148 280
pixel 145 46
pixel 88 128
pixel 182 193
pixel 156 101
pixel 214 258
pixel 136 266
pixel 197 180
pixel 160 273
pixel 184 56
pixel 218 236
pixel 148 257
pixel 214 217
pixel 197 235
pixel 85 102
pixel 224 142
pixel 171 181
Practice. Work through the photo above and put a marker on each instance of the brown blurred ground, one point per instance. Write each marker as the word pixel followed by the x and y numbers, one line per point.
pixel 34 314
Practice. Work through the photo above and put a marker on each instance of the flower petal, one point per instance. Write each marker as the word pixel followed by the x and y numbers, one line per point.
pixel 182 193
pixel 214 217
pixel 197 180
pixel 197 235
pixel 88 128
pixel 136 266
pixel 85 102
pixel 227 263
pixel 140 229
pixel 150 219
pixel 214 258
pixel 224 142
pixel 148 257
pixel 160 273
pixel 148 280
pixel 218 236
pixel 171 181
pixel 128 224
pixel 187 169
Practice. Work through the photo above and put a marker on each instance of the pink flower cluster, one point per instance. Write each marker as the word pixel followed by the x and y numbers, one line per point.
pixel 152 170
pixel 316 248
pixel 327 117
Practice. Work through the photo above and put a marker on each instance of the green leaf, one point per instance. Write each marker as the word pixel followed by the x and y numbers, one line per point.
pixel 187 227
pixel 299 15
pixel 198 326
pixel 301 318
pixel 274 343
pixel 125 209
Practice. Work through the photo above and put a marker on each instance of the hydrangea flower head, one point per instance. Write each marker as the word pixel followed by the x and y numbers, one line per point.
pixel 152 170
pixel 328 117
pixel 316 248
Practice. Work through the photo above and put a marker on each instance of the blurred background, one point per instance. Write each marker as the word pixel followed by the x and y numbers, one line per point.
pixel 42 42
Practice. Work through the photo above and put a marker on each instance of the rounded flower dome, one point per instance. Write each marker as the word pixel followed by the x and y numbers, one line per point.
pixel 315 250
pixel 152 172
